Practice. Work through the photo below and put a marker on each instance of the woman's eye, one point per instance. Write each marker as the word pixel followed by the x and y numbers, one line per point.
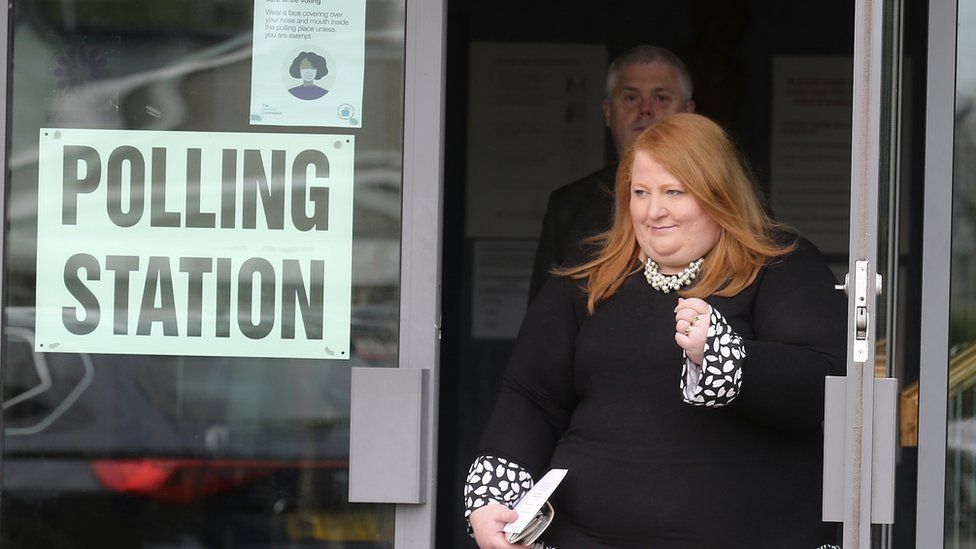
pixel 639 192
pixel 673 192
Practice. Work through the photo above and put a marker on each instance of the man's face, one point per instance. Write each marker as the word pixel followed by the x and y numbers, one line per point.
pixel 642 94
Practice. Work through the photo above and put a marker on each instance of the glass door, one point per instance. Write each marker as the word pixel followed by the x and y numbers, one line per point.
pixel 862 456
pixel 946 471
pixel 961 438
pixel 203 240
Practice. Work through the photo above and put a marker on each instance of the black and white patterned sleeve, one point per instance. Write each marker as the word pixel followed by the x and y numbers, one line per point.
pixel 493 479
pixel 718 380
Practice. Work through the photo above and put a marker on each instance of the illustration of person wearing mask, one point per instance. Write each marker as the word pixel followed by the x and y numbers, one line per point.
pixel 309 67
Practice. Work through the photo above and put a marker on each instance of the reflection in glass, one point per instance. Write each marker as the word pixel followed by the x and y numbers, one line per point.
pixel 185 451
pixel 961 434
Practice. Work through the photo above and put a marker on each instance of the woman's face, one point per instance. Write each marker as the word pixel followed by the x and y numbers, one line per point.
pixel 307 70
pixel 670 224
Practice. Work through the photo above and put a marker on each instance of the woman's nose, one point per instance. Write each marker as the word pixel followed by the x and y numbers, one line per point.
pixel 656 209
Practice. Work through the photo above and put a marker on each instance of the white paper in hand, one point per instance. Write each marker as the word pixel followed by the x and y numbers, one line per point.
pixel 535 499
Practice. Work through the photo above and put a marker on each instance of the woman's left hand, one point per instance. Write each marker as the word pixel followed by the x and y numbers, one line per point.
pixel 691 318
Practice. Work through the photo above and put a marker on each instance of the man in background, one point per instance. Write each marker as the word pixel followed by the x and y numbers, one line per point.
pixel 644 85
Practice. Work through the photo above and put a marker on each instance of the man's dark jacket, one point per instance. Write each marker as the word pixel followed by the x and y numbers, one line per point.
pixel 575 211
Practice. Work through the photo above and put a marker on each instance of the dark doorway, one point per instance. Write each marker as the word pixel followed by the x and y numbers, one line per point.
pixel 742 55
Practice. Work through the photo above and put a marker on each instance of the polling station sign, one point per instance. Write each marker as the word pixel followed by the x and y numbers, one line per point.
pixel 194 243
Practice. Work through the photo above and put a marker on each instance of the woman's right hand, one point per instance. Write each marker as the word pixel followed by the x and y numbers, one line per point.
pixel 487 523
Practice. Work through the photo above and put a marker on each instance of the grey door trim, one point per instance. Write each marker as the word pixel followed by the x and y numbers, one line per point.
pixel 865 155
pixel 4 154
pixel 936 254
pixel 423 138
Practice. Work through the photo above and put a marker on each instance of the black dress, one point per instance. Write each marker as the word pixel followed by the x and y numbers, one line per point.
pixel 599 395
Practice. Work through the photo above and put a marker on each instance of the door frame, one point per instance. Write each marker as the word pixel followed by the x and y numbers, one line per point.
pixel 936 256
pixel 5 38
pixel 859 416
pixel 421 242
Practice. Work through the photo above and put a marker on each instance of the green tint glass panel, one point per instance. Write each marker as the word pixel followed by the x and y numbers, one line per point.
pixel 961 428
pixel 158 446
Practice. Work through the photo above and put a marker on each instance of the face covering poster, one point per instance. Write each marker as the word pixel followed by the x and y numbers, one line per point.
pixel 308 63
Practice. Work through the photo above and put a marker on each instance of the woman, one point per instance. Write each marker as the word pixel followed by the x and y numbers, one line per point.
pixel 309 66
pixel 678 373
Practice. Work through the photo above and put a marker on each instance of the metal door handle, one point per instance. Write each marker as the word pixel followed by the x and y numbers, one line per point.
pixel 388 435
pixel 883 449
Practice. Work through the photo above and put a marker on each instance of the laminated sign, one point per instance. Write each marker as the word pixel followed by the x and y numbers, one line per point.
pixel 308 63
pixel 194 243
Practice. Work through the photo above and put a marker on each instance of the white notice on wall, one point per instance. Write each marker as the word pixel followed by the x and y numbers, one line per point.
pixel 308 62
pixel 811 147
pixel 534 124
pixel 194 243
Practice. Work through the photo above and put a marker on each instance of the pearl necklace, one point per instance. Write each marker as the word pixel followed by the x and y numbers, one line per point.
pixel 666 283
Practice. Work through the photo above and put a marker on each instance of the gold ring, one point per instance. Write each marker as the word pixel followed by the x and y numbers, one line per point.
pixel 688 330
pixel 695 320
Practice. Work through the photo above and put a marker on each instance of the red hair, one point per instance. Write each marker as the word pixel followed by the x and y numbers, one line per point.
pixel 699 154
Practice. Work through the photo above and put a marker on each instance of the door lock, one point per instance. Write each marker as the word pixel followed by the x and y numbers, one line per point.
pixel 861 323
pixel 861 315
